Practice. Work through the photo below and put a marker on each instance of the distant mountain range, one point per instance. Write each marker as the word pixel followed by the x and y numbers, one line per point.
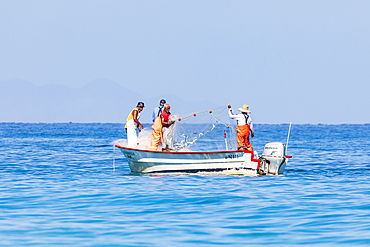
pixel 101 100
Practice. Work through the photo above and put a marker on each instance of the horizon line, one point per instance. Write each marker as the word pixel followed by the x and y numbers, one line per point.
pixel 71 122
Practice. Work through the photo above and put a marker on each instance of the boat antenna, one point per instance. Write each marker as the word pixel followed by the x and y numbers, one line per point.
pixel 287 140
pixel 114 157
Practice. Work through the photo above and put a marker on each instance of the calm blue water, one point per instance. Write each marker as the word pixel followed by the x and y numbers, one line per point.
pixel 58 188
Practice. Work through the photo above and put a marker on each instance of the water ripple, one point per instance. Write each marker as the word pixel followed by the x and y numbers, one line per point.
pixel 59 188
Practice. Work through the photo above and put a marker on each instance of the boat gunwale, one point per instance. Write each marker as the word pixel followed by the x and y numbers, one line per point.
pixel 194 152
pixel 182 152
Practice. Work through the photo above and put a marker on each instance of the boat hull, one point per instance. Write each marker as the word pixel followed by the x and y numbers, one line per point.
pixel 156 161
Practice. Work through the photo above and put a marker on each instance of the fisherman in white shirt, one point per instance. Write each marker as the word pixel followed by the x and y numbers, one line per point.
pixel 244 126
pixel 132 123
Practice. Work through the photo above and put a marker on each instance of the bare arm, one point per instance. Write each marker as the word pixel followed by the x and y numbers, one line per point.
pixel 251 124
pixel 164 123
pixel 134 115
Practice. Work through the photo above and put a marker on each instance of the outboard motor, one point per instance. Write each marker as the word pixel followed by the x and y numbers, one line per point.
pixel 273 158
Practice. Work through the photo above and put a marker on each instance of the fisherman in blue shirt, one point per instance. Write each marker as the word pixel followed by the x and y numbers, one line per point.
pixel 158 110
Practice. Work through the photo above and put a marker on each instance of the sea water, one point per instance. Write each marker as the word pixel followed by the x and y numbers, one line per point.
pixel 58 188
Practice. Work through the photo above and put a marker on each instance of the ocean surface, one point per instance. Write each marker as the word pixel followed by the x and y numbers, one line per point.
pixel 58 188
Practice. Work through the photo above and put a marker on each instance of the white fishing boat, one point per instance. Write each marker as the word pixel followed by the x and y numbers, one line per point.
pixel 272 160
pixel 181 159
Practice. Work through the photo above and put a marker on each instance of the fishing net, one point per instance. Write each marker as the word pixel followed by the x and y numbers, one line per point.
pixel 211 129
pixel 204 130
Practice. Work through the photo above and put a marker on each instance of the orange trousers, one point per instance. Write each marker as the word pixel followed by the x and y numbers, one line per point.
pixel 242 136
pixel 157 134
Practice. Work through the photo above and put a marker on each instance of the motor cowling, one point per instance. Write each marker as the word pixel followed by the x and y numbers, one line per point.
pixel 273 158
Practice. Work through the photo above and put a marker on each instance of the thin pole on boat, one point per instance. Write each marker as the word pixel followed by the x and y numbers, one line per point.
pixel 287 140
pixel 114 157
pixel 225 140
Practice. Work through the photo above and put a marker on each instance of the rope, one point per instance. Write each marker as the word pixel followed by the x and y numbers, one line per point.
pixel 193 115
pixel 232 133
pixel 218 120
pixel 114 157
pixel 228 126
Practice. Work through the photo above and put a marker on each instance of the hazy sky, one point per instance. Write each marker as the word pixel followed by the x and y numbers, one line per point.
pixel 299 61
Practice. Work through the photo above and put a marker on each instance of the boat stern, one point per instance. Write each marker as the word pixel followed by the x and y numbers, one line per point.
pixel 273 158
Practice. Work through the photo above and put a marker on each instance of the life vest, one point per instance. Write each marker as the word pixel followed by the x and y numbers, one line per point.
pixel 131 116
pixel 166 116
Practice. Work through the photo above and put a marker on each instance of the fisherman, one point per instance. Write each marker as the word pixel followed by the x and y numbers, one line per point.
pixel 168 141
pixel 158 110
pixel 132 123
pixel 161 121
pixel 244 126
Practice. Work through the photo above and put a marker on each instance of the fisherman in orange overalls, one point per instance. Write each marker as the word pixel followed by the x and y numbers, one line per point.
pixel 243 127
pixel 161 121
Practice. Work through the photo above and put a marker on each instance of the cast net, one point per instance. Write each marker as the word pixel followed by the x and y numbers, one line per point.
pixel 210 129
